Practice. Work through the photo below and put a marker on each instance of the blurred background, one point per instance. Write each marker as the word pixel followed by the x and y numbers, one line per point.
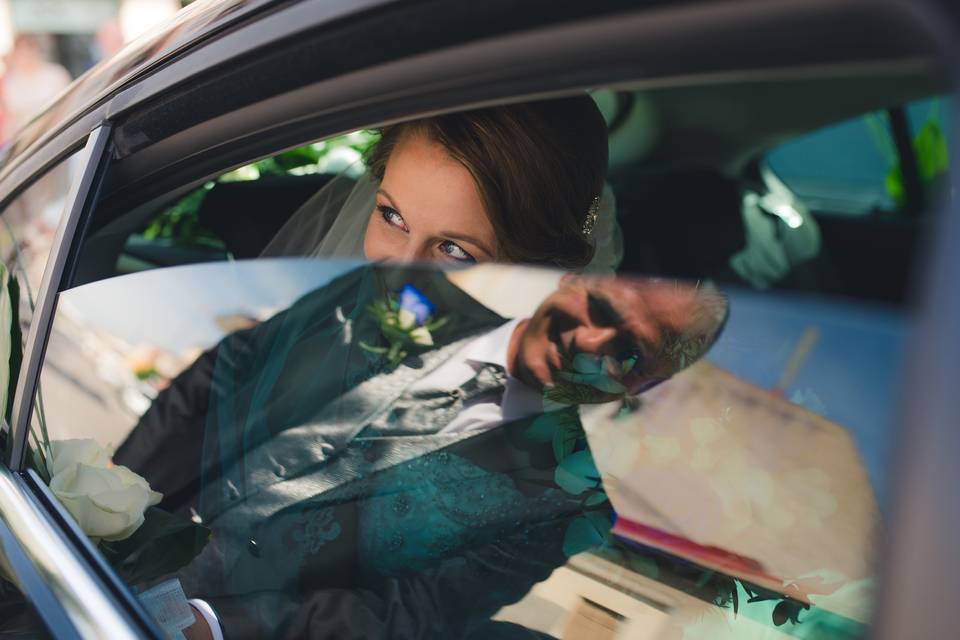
pixel 45 44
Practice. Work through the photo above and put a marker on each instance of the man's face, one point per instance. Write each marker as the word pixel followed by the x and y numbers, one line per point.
pixel 595 339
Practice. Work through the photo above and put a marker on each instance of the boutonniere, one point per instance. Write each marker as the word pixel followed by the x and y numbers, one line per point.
pixel 406 321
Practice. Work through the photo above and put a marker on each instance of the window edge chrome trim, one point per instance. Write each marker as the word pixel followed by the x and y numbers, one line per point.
pixel 76 202
pixel 71 590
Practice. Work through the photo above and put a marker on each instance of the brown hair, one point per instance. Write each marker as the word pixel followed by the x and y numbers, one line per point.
pixel 537 165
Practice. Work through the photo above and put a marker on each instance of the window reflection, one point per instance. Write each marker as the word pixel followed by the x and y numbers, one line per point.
pixel 27 229
pixel 387 447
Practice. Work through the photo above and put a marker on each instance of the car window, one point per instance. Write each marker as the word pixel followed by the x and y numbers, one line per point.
pixel 28 226
pixel 853 167
pixel 202 225
pixel 267 414
pixel 303 468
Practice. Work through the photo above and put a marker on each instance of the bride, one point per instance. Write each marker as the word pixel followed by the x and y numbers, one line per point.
pixel 520 183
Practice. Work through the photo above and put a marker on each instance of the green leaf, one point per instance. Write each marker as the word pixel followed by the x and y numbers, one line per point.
pixel 542 428
pixel 371 349
pixel 581 535
pixel 565 435
pixel 576 473
pixel 600 519
pixel 299 157
pixel 432 326
pixel 595 499
pixel 930 146
pixel 893 183
pixel 163 544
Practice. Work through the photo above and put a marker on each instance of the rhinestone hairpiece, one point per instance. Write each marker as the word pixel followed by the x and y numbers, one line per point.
pixel 591 218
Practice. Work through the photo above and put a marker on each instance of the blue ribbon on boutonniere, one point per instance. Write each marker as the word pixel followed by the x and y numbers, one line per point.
pixel 407 322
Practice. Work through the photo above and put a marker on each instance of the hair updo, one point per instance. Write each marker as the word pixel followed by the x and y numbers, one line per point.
pixel 537 165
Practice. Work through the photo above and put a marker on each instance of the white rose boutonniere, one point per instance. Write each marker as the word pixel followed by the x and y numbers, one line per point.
pixel 108 502
pixel 406 322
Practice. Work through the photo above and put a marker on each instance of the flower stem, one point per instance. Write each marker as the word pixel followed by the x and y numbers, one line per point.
pixel 45 471
pixel 41 417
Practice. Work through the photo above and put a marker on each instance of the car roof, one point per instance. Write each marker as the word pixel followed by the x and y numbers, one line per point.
pixel 198 22
pixel 113 84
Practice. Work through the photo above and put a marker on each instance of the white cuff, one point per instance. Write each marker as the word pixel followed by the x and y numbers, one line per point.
pixel 209 616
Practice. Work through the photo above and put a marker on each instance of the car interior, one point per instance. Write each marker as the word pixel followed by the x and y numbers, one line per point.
pixel 689 166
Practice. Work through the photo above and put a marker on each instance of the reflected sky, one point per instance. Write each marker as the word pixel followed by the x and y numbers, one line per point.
pixel 851 375
pixel 176 309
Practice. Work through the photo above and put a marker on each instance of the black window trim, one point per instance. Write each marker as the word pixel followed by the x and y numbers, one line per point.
pixel 605 50
pixel 914 200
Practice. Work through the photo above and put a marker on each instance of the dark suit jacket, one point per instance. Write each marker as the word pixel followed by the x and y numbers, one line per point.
pixel 320 531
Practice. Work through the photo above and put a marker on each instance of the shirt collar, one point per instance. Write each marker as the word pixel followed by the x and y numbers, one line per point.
pixel 492 347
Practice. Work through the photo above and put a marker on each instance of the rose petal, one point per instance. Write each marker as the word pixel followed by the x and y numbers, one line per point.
pixel 107 502
pixel 406 319
pixel 422 337
pixel 86 451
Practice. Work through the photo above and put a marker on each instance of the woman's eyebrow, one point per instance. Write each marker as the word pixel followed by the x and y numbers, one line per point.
pixel 393 203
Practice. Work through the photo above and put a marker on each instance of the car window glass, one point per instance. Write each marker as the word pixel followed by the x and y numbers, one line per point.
pixel 782 223
pixel 853 167
pixel 28 226
pixel 202 225
pixel 286 405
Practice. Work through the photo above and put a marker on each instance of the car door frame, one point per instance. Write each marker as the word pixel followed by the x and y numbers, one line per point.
pixel 75 595
pixel 128 615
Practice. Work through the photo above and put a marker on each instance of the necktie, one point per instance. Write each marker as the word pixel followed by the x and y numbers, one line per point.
pixel 429 410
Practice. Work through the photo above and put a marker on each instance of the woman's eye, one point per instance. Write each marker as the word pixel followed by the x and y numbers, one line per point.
pixel 392 217
pixel 454 251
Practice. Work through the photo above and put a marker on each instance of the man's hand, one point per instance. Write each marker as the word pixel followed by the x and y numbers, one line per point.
pixel 199 630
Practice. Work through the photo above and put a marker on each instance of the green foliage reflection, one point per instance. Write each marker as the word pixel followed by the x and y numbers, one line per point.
pixel 180 225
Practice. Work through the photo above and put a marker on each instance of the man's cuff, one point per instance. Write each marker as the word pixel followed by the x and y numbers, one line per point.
pixel 209 616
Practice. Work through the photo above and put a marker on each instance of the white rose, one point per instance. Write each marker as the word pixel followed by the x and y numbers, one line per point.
pixel 406 319
pixel 106 501
pixel 422 337
pixel 66 453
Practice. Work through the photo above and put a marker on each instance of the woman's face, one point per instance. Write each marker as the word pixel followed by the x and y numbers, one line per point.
pixel 428 208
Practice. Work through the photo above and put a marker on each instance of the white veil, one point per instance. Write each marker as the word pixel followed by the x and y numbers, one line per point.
pixel 333 222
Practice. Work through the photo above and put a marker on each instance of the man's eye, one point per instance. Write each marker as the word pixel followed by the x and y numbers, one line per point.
pixel 602 312
pixel 454 251
pixel 392 217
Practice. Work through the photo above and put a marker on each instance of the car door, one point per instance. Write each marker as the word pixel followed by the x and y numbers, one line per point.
pixel 48 589
pixel 156 160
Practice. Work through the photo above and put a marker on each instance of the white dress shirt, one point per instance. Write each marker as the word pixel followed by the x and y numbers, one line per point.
pixel 519 400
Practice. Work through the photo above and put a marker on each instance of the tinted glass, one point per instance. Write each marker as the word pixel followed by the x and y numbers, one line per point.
pixel 288 407
pixel 853 168
pixel 27 229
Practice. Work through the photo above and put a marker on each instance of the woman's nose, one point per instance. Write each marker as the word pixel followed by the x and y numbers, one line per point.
pixel 593 339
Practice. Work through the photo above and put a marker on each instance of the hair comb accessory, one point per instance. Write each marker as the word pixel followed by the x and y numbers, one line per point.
pixel 591 218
